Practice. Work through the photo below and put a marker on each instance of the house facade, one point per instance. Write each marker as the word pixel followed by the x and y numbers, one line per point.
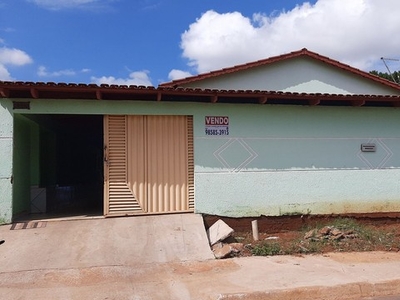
pixel 187 146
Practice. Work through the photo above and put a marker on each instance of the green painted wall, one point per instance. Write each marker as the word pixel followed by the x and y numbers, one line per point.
pixel 22 164
pixel 6 154
pixel 33 160
pixel 301 138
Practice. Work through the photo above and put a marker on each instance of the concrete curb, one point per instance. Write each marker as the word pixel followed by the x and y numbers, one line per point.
pixel 351 291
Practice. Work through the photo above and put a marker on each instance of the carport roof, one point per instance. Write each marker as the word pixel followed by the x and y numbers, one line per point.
pixel 22 91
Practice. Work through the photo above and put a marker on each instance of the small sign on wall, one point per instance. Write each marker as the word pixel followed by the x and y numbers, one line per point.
pixel 217 125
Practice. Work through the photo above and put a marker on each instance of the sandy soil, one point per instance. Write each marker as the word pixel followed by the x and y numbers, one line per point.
pixel 289 233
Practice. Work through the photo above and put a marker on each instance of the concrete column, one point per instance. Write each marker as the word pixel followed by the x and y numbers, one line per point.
pixel 6 159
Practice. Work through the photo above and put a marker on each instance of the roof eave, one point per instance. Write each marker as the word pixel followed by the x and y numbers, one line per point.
pixel 23 91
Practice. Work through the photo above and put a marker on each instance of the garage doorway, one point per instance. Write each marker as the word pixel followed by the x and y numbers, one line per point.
pixel 58 165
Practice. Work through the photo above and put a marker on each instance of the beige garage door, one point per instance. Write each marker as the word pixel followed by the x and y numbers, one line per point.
pixel 148 164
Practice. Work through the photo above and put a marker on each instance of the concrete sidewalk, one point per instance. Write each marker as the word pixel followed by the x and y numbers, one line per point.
pixel 100 259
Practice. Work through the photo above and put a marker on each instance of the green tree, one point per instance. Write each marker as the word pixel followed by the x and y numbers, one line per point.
pixel 395 76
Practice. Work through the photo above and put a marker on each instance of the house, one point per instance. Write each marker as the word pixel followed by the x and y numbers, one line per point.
pixel 324 140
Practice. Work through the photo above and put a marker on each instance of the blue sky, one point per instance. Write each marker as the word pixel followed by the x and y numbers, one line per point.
pixel 147 42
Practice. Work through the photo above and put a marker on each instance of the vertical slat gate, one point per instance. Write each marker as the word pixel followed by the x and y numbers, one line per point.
pixel 190 162
pixel 119 197
pixel 137 166
pixel 167 164
pixel 149 164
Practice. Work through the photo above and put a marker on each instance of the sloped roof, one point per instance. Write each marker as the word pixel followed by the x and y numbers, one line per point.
pixel 22 92
pixel 303 52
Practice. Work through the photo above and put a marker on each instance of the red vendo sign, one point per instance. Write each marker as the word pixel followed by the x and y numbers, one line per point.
pixel 217 121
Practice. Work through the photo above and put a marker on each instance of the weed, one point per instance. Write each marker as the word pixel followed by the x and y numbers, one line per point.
pixel 339 235
pixel 315 246
pixel 294 247
pixel 266 249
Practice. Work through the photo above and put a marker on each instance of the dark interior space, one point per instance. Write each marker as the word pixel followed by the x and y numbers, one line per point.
pixel 71 163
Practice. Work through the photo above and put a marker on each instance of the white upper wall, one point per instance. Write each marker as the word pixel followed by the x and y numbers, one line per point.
pixel 300 74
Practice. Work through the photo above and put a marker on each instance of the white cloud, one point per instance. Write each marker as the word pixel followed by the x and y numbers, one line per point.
pixel 135 78
pixel 42 72
pixel 65 4
pixel 12 57
pixel 356 32
pixel 178 74
pixel 4 74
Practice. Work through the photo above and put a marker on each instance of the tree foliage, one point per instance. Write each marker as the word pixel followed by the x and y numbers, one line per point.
pixel 395 76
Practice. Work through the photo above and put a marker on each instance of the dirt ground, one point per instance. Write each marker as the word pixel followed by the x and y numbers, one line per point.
pixel 300 235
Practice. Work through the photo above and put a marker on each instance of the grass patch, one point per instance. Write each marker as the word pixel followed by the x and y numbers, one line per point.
pixel 266 249
pixel 366 237
pixel 340 235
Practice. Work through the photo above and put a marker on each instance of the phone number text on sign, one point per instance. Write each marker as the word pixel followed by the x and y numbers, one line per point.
pixel 217 125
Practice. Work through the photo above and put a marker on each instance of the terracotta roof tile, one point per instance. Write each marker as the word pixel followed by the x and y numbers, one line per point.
pixel 22 91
